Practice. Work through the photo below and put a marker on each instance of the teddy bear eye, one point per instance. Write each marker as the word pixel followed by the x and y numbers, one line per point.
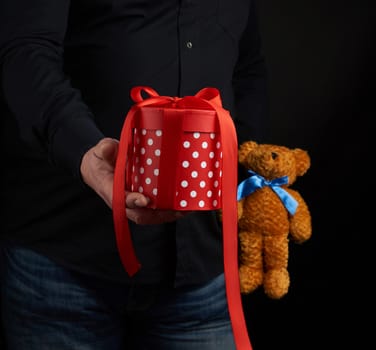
pixel 274 155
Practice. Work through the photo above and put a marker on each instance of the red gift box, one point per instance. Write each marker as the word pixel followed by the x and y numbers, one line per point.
pixel 192 142
pixel 176 158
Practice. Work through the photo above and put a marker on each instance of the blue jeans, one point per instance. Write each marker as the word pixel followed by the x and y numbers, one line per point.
pixel 46 307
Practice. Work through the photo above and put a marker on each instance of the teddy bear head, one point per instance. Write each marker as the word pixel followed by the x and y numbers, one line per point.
pixel 274 161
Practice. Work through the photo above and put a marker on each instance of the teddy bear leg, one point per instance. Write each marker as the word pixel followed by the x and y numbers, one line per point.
pixel 251 263
pixel 276 278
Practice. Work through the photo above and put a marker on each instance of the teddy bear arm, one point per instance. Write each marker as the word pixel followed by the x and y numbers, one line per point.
pixel 240 208
pixel 300 222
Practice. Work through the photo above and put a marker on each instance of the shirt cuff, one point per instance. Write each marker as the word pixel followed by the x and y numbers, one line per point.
pixel 71 141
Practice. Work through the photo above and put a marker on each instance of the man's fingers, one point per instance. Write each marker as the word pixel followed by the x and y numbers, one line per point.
pixel 146 216
pixel 137 211
pixel 135 200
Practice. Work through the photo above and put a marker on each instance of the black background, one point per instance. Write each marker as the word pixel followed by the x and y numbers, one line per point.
pixel 321 62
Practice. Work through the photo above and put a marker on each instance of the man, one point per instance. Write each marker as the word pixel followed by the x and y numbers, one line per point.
pixel 67 68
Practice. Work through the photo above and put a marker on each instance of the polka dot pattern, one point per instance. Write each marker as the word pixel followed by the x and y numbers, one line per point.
pixel 198 170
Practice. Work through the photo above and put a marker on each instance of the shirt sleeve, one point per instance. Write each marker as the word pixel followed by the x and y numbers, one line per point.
pixel 250 84
pixel 50 113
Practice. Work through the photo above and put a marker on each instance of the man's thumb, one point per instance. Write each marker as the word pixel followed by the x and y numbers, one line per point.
pixel 108 149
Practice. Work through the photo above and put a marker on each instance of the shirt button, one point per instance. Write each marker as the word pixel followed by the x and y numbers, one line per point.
pixel 189 44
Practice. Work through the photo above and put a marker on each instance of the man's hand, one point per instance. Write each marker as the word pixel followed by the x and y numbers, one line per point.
pixel 97 170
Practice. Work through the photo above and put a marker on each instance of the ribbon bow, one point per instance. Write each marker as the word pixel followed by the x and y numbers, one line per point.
pixel 206 98
pixel 256 181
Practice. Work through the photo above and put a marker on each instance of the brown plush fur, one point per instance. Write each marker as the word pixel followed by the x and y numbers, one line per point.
pixel 265 225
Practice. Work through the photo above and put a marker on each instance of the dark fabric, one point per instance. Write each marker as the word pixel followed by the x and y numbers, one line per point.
pixel 67 68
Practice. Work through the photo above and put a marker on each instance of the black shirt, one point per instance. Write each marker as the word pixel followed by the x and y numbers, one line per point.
pixel 66 69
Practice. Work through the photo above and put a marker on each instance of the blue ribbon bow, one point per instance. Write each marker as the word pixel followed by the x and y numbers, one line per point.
pixel 256 181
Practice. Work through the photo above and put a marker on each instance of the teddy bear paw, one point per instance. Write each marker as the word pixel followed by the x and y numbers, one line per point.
pixel 276 283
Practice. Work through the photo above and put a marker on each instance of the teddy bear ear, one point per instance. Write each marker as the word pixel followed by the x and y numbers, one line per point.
pixel 244 149
pixel 303 161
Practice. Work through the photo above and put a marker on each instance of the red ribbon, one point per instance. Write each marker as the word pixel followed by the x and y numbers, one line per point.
pixel 207 98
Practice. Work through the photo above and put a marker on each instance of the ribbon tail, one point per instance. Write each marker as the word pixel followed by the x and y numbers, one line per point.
pixel 229 226
pixel 122 232
pixel 248 186
pixel 290 203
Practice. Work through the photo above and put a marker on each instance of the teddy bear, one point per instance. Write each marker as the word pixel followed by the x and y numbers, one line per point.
pixel 269 214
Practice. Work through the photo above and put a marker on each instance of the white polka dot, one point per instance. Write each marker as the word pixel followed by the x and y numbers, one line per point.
pixel 142 170
pixel 194 174
pixel 140 189
pixel 209 194
pixel 211 155
pixel 215 203
pixel 157 152
pixel 212 135
pixel 185 164
pixel 221 155
pixel 183 203
pixel 142 150
pixel 150 142
pixel 135 131
pixel 204 145
pixel 193 194
pixel 219 193
pixel 196 135
pixel 203 164
pixel 148 181
pixel 202 184
pixel 186 144
pixel 220 173
pixel 216 184
pixel 156 172
pixel 158 132
pixel 216 164
pixel 155 191
pixel 210 174
pixel 149 161
pixel 133 168
pixel 184 184
pixel 136 179
pixel 201 204
pixel 218 145
pixel 143 131
pixel 134 149
pixel 195 154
